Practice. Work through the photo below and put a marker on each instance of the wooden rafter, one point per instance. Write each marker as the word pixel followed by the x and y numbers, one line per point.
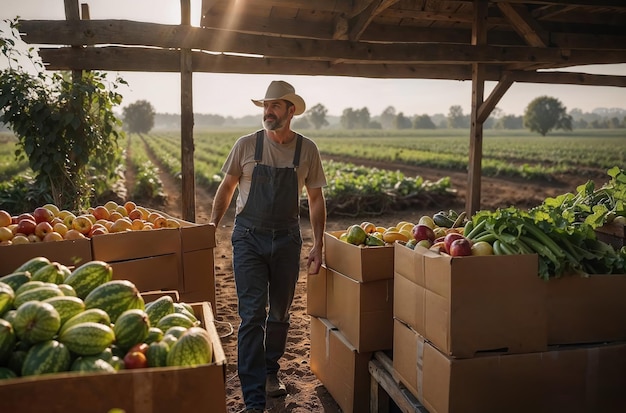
pixel 525 25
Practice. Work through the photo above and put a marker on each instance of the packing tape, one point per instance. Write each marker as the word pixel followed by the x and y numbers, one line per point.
pixel 420 366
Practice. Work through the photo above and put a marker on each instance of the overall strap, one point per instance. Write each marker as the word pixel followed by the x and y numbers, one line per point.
pixel 258 152
pixel 296 155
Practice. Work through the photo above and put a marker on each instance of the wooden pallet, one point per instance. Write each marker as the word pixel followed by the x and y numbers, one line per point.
pixel 386 386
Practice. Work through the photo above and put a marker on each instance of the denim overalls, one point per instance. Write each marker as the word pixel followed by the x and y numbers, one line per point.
pixel 266 261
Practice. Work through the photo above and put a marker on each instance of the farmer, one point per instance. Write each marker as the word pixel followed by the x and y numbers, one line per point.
pixel 270 168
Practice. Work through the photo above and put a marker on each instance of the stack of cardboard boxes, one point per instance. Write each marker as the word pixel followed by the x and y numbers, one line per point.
pixel 485 334
pixel 351 306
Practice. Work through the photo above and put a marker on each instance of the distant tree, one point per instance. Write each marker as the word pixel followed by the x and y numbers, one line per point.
pixel 402 122
pixel 456 119
pixel 546 113
pixel 423 122
pixel 317 116
pixel 301 123
pixel 614 123
pixel 387 118
pixel 509 122
pixel 374 125
pixel 348 118
pixel 362 118
pixel 138 117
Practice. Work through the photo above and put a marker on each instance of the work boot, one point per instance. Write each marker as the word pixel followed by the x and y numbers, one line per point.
pixel 274 387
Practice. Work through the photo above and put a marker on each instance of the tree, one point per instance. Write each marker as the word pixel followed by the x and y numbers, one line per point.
pixel 317 116
pixel 546 113
pixel 301 123
pixel 387 118
pixel 510 122
pixel 363 118
pixel 456 119
pixel 61 124
pixel 402 122
pixel 139 117
pixel 423 122
pixel 348 118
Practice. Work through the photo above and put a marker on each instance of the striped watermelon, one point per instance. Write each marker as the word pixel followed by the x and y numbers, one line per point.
pixel 87 339
pixel 67 307
pixel 115 297
pixel 29 285
pixel 51 273
pixel 88 276
pixel 46 357
pixel 174 319
pixel 191 349
pixel 95 315
pixel 67 290
pixel 154 334
pixel 157 354
pixel 33 264
pixel 37 294
pixel 16 279
pixel 91 364
pixel 16 360
pixel 7 340
pixel 159 308
pixel 7 373
pixel 7 298
pixel 131 328
pixel 36 321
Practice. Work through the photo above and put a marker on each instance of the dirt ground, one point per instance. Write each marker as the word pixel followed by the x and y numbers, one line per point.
pixel 306 394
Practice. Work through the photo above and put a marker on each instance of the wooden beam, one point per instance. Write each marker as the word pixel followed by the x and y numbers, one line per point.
pixel 490 103
pixel 187 148
pixel 525 25
pixel 359 23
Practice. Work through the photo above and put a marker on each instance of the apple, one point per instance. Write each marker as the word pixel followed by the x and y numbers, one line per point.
pixel 68 220
pixel 144 212
pixel 26 226
pixel 425 243
pixel 25 215
pixel 111 205
pixel 73 234
pixel 98 231
pixel 140 347
pixel 129 206
pixel 172 223
pixel 100 212
pixel 421 231
pixel 62 214
pixel 482 248
pixel 122 210
pixel 449 238
pixel 460 247
pixel 135 360
pixel 52 236
pixel 440 232
pixel 6 234
pixel 52 208
pixel 82 223
pixel 33 238
pixel 137 225
pixel 121 225
pixel 160 222
pixel 91 218
pixel 428 221
pixel 60 228
pixel 42 214
pixel 56 220
pixel 135 214
pixel 20 239
pixel 14 219
pixel 5 218
pixel 115 216
pixel 43 228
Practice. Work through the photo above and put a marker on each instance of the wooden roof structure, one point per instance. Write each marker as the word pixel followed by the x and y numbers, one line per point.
pixel 505 41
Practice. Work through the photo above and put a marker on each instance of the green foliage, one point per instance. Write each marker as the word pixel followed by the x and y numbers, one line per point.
pixel 60 123
pixel 423 122
pixel 317 116
pixel 546 113
pixel 139 117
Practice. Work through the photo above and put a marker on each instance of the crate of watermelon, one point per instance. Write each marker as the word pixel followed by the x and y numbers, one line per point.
pixel 82 341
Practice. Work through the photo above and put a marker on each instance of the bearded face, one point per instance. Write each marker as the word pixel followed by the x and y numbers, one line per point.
pixel 275 114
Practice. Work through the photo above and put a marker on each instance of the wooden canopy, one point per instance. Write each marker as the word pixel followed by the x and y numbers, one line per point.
pixel 505 41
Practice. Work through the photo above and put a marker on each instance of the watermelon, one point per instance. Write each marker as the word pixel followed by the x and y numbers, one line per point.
pixel 37 294
pixel 67 290
pixel 117 363
pixel 95 315
pixel 7 373
pixel 154 334
pixel 7 340
pixel 87 339
pixel 174 319
pixel 67 307
pixel 51 273
pixel 191 349
pixel 115 297
pixel 131 328
pixel 16 361
pixel 36 321
pixel 29 285
pixel 9 316
pixel 159 308
pixel 157 354
pixel 181 308
pixel 33 265
pixel 91 364
pixel 88 276
pixel 176 331
pixel 7 298
pixel 16 279
pixel 46 357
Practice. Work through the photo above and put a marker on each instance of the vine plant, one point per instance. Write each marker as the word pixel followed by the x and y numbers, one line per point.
pixel 61 123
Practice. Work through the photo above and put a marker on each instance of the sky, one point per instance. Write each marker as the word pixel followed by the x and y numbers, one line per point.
pixel 230 94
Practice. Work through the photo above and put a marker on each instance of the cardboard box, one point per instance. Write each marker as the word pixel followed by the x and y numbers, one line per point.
pixel 612 233
pixel 153 273
pixel 71 253
pixel 359 263
pixel 586 309
pixel 341 369
pixel 199 276
pixel 464 305
pixel 573 380
pixel 152 390
pixel 131 245
pixel 362 311
pixel 316 293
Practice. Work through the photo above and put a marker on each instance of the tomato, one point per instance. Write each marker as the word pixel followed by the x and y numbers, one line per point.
pixel 140 347
pixel 135 360
pixel 482 248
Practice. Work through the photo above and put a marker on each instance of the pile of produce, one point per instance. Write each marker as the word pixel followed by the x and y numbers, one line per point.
pixel 55 320
pixel 47 223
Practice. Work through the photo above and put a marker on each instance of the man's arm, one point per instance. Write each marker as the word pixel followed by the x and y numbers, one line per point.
pixel 223 197
pixel 317 216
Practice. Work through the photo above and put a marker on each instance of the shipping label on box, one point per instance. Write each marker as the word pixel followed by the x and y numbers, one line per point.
pixel 71 253
pixel 465 305
pixel 359 263
pixel 341 369
pixel 316 293
pixel 362 311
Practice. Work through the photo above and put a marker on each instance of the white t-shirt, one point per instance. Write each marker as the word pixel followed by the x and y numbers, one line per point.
pixel 240 162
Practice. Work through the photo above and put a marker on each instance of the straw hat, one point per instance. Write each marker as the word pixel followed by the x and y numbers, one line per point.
pixel 278 90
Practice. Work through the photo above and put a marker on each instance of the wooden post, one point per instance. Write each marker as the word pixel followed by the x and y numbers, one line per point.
pixel 479 37
pixel 186 123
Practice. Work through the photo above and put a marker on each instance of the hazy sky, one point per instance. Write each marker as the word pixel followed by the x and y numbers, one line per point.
pixel 230 94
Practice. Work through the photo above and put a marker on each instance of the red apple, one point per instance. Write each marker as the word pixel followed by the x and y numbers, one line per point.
pixel 26 226
pixel 449 238
pixel 73 234
pixel 421 232
pixel 100 212
pixel 25 215
pixel 42 214
pixel 140 347
pixel 460 248
pixel 135 360
pixel 43 228
pixel 5 218
pixel 52 236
